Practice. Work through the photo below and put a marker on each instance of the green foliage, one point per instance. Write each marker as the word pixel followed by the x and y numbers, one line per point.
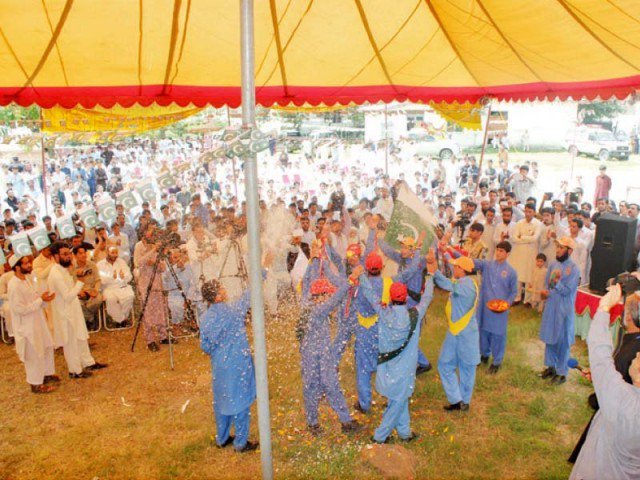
pixel 595 112
pixel 14 113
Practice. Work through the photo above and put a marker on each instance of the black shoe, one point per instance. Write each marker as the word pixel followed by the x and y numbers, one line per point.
pixel 359 408
pixel 153 346
pixel 83 374
pixel 228 442
pixel 248 447
pixel 51 379
pixel 351 427
pixel 315 430
pixel 165 341
pixel 464 407
pixel 97 366
pixel 484 360
pixel 547 372
pixel 558 379
pixel 373 440
pixel 453 406
pixel 423 369
pixel 493 369
pixel 410 438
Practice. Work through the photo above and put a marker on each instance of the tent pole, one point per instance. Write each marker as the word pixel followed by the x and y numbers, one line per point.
pixel 253 233
pixel 484 146
pixel 44 166
pixel 386 142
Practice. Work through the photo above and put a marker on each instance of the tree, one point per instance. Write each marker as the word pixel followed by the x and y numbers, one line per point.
pixel 600 112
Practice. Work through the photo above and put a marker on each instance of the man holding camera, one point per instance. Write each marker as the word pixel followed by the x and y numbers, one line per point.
pixel 612 446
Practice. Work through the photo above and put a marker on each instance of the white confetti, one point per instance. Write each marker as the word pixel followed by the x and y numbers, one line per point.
pixel 186 404
pixel 124 402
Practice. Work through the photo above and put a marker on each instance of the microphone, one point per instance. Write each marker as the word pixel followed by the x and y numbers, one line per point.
pixel 573 363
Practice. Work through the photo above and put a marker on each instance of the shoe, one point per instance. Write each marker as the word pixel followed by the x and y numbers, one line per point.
pixel 42 388
pixel 83 374
pixel 547 372
pixel 153 346
pixel 359 408
pixel 493 369
pixel 464 407
pixel 228 442
pixel 97 366
pixel 315 430
pixel 51 379
pixel 423 369
pixel 11 341
pixel 165 341
pixel 558 379
pixel 351 427
pixel 373 440
pixel 453 406
pixel 248 447
pixel 484 360
pixel 410 438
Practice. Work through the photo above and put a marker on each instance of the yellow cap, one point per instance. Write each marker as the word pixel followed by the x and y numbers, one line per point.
pixel 464 263
pixel 567 242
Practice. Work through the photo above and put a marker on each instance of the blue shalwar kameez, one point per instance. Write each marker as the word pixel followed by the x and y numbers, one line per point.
pixel 223 337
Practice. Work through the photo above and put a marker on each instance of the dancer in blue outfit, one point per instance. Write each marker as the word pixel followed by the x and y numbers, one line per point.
pixel 416 284
pixel 399 332
pixel 557 329
pixel 319 372
pixel 223 336
pixel 461 348
pixel 499 281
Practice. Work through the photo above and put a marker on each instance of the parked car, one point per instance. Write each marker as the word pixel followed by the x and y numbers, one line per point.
pixel 425 144
pixel 598 143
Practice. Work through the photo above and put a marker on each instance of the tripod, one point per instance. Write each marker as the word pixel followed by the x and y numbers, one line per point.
pixel 241 268
pixel 161 256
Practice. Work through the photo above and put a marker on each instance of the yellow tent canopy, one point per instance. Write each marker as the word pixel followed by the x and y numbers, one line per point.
pixel 91 52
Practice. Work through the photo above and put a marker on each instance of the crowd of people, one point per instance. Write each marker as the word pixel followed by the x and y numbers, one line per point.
pixel 498 241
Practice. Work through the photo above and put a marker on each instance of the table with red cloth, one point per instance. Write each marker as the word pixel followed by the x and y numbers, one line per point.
pixel 587 302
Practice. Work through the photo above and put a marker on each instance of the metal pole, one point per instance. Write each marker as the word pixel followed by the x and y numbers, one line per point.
pixel 484 146
pixel 386 142
pixel 253 233
pixel 44 166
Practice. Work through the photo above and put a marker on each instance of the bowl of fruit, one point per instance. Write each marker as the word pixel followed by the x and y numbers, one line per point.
pixel 497 305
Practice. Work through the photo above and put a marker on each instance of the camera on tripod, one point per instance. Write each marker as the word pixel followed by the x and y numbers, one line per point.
pixel 463 219
pixel 628 283
pixel 167 239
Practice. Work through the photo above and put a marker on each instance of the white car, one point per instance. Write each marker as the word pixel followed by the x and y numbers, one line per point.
pixel 425 144
pixel 598 143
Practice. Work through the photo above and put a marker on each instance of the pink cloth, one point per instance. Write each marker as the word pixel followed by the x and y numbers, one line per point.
pixel 154 321
pixel 603 186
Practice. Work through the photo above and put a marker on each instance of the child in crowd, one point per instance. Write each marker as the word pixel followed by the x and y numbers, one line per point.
pixel 537 282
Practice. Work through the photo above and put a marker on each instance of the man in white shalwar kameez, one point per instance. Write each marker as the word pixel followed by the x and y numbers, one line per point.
pixel 118 294
pixel 612 447
pixel 525 247
pixel 69 324
pixel 34 344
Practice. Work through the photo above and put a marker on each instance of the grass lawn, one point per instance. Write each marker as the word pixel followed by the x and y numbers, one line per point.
pixel 126 422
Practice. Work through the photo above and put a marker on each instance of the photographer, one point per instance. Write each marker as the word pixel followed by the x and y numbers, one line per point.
pixel 612 446
pixel 202 250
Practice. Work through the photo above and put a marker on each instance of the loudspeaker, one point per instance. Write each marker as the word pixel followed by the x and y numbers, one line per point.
pixel 612 251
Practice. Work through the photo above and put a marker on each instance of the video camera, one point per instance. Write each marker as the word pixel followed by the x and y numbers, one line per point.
pixel 462 220
pixel 628 283
pixel 167 239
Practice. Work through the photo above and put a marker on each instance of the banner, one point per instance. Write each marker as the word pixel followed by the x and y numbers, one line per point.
pixel 89 216
pixel 131 120
pixel 66 227
pixel 21 245
pixel 107 209
pixel 410 218
pixel 146 191
pixel 127 199
pixel 39 237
